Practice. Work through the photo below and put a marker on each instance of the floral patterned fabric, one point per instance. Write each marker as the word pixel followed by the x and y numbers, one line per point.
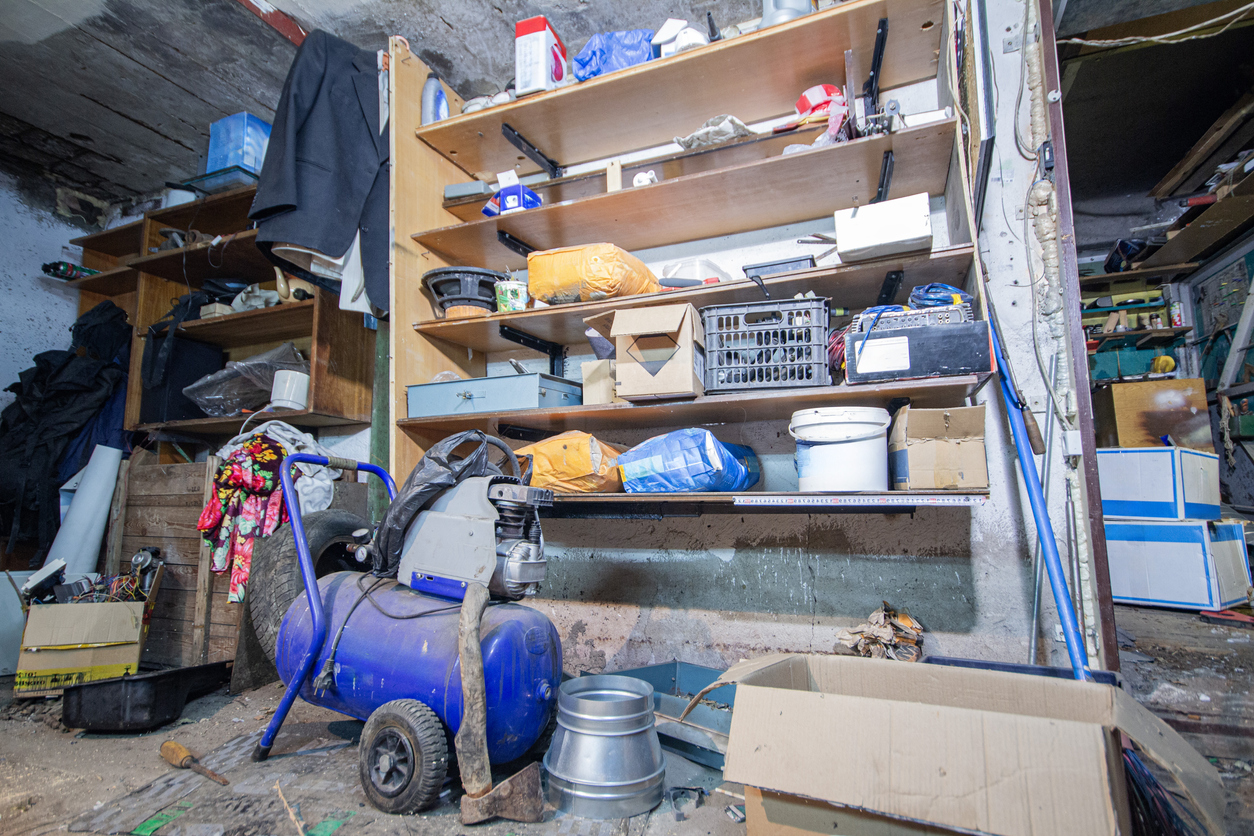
pixel 247 503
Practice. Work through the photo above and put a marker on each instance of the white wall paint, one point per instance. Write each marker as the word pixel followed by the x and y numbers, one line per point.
pixel 37 311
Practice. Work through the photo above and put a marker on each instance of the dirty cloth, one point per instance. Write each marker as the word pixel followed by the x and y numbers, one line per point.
pixel 715 131
pixel 315 485
pixel 886 634
pixel 247 503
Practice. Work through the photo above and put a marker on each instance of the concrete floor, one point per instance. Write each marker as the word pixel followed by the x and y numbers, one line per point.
pixel 1195 675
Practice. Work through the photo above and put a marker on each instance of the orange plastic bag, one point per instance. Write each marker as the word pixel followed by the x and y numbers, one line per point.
pixel 574 462
pixel 587 274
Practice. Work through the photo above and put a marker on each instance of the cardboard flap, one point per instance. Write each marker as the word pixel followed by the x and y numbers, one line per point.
pixel 80 625
pixel 665 319
pixel 960 422
pixel 602 324
pixel 732 675
pixel 1169 750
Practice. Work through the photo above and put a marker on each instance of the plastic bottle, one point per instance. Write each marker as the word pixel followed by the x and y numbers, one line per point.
pixel 434 100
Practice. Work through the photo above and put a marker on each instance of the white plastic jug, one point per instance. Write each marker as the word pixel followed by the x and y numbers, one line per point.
pixel 841 448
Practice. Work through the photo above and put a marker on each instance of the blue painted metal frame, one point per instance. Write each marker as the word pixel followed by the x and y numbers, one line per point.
pixel 1040 513
pixel 311 589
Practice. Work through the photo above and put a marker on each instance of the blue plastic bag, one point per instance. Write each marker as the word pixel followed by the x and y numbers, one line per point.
pixel 688 460
pixel 606 52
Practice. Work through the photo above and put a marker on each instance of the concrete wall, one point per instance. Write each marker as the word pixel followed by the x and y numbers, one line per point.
pixel 37 311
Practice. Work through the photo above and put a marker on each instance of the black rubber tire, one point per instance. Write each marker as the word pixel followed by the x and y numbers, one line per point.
pixel 415 775
pixel 274 580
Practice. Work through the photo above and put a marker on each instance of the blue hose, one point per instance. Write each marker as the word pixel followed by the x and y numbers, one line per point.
pixel 1040 513
pixel 316 611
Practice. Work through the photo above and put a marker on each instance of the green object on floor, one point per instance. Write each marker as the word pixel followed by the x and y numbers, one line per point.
pixel 163 818
pixel 328 826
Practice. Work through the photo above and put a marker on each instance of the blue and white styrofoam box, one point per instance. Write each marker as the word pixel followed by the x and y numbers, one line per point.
pixel 1183 564
pixel 1158 483
pixel 492 394
pixel 239 140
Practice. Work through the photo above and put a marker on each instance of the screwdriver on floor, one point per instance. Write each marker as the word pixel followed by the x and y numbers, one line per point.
pixel 176 754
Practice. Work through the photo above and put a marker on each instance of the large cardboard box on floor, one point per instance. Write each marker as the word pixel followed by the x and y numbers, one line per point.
pixel 938 449
pixel 1181 564
pixel 68 644
pixel 1140 413
pixel 1158 483
pixel 957 749
pixel 659 352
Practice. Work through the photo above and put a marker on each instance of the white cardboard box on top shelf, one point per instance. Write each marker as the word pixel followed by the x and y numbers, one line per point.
pixel 539 57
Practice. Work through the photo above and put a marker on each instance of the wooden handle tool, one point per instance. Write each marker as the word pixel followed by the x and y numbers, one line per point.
pixel 176 754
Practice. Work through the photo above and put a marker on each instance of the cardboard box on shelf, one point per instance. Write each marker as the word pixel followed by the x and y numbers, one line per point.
pixel 938 449
pixel 660 351
pixel 958 748
pixel 598 382
pixel 68 644
pixel 539 56
pixel 1182 564
pixel 1158 483
pixel 1139 413
pixel 878 230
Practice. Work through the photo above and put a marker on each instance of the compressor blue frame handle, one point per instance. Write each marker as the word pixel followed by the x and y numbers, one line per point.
pixel 305 559
pixel 1040 514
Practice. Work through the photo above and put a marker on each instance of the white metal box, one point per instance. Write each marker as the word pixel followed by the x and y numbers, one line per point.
pixel 1188 564
pixel 1158 483
pixel 877 230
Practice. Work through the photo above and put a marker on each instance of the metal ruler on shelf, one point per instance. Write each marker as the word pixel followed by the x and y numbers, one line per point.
pixel 904 500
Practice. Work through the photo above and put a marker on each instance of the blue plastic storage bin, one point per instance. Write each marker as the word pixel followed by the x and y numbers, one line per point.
pixel 239 140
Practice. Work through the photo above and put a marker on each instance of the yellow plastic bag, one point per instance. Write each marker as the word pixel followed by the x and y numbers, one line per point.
pixel 574 462
pixel 587 274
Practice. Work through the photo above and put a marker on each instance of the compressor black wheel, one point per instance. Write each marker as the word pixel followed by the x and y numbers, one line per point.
pixel 274 580
pixel 402 757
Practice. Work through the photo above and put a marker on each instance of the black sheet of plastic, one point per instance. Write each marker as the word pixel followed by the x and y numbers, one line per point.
pixel 438 471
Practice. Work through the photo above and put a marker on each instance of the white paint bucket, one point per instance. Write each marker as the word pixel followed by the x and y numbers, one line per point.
pixel 841 448
pixel 291 390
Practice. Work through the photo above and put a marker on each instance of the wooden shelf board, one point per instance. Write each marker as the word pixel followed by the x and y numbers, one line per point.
pixel 231 425
pixel 236 257
pixel 849 285
pixel 734 407
pixel 755 195
pixel 120 241
pixel 1145 338
pixel 216 214
pixel 1221 222
pixel 665 504
pixel 108 283
pixel 756 76
pixel 281 322
pixel 1166 271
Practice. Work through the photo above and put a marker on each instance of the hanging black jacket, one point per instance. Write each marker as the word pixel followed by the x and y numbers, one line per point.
pixel 325 173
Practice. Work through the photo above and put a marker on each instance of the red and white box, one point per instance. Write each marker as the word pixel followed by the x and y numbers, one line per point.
pixel 539 57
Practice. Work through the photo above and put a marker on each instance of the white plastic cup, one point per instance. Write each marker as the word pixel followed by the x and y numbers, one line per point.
pixel 290 391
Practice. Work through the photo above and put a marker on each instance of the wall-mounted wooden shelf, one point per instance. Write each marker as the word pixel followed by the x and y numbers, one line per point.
pixel 729 408
pixel 1166 273
pixel 739 198
pixel 282 322
pixel 756 76
pixel 1145 338
pixel 223 426
pixel 109 282
pixel 848 285
pixel 117 242
pixel 234 257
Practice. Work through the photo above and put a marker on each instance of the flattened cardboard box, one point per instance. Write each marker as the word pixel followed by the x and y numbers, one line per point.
pixel 938 449
pixel 68 644
pixel 659 351
pixel 958 748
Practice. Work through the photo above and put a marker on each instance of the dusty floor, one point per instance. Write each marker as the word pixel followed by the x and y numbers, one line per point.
pixel 1195 675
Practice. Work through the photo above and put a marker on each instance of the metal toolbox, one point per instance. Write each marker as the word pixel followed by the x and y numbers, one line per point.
pixel 492 394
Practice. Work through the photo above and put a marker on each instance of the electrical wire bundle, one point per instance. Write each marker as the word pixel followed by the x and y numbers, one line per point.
pixel 1155 811
pixel 112 589
pixel 937 294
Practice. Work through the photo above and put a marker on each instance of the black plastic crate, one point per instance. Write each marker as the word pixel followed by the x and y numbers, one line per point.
pixel 766 345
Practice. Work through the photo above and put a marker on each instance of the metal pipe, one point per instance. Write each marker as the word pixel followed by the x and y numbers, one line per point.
pixel 1036 551
pixel 317 613
pixel 1040 513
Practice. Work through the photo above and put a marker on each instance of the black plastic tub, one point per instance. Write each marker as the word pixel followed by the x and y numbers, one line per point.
pixel 140 702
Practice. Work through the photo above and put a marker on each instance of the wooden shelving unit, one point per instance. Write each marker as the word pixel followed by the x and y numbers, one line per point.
pixel 735 188
pixel 739 198
pixel 1166 272
pixel 1145 338
pixel 145 283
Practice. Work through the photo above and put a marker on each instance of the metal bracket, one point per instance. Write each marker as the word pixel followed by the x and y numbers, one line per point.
pixel 871 89
pixel 533 153
pixel 556 351
pixel 892 284
pixel 886 177
pixel 521 247
pixel 531 436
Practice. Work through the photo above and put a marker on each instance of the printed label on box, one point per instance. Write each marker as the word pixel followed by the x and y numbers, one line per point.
pixel 887 355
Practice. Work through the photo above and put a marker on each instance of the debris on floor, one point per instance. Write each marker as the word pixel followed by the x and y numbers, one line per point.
pixel 887 634
pixel 47 711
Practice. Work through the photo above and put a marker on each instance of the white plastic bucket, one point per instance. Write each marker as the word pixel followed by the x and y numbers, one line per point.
pixel 291 390
pixel 841 448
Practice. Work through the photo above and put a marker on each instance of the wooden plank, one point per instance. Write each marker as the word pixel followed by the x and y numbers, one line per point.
pixel 756 76
pixel 848 285
pixel 1228 121
pixel 304 418
pixel 235 256
pixel 418 177
pixel 735 407
pixel 1166 271
pixel 117 513
pixel 123 240
pixel 166 648
pixel 341 363
pixel 175 551
pixel 167 480
pixel 204 582
pixel 161 521
pixel 1219 224
pixel 185 500
pixel 281 322
pixel 109 283
pixel 155 298
pixel 740 198
pixel 216 214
